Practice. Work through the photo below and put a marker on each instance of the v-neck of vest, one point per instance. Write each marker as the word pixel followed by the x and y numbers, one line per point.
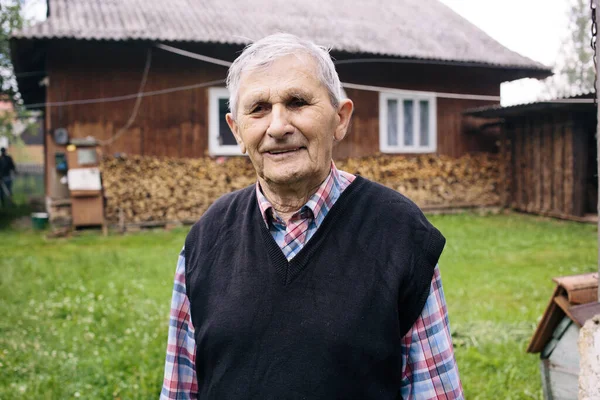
pixel 286 270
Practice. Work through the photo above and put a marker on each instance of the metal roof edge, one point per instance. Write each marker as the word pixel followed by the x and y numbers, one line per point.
pixel 580 100
pixel 540 70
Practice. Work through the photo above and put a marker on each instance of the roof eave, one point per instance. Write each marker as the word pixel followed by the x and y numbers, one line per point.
pixel 35 94
pixel 535 70
pixel 525 109
pixel 30 58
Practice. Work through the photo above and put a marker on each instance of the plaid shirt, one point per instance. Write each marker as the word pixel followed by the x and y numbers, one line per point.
pixel 428 366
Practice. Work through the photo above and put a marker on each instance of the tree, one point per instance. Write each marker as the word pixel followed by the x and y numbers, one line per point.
pixel 11 122
pixel 11 19
pixel 574 69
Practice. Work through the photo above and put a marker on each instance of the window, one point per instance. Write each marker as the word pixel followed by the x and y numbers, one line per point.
pixel 221 141
pixel 407 123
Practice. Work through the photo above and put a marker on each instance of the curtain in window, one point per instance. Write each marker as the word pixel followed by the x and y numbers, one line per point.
pixel 392 122
pixel 408 106
pixel 424 123
pixel 226 138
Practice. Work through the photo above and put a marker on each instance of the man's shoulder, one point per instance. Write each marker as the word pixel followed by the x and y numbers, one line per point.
pixel 226 206
pixel 232 199
pixel 221 213
pixel 394 212
pixel 395 215
pixel 384 199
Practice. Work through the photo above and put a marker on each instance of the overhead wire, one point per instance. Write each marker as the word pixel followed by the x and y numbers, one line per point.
pixel 127 96
pixel 436 94
pixel 29 73
pixel 196 56
pixel 212 60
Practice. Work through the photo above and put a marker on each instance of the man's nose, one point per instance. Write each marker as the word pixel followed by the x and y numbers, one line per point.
pixel 279 125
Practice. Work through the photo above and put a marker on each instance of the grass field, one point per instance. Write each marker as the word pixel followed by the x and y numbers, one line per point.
pixel 86 317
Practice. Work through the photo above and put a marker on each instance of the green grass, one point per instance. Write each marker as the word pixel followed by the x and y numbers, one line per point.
pixel 86 317
pixel 12 212
pixel 497 273
pixel 27 186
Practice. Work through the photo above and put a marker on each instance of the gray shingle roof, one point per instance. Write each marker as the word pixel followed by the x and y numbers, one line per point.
pixel 422 29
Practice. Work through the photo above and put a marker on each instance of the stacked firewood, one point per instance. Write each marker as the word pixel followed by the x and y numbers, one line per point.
pixel 434 181
pixel 144 189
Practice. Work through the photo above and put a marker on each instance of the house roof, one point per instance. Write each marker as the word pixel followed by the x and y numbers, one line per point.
pixel 575 297
pixel 582 100
pixel 417 29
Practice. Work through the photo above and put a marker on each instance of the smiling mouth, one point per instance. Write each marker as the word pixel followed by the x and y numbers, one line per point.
pixel 283 151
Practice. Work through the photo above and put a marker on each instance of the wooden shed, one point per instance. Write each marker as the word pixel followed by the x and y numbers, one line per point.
pixel 411 66
pixel 549 153
pixel 571 305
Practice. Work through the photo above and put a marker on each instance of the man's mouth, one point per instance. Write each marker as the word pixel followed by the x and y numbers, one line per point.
pixel 283 151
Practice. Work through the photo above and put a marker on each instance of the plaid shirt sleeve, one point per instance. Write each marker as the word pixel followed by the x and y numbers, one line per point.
pixel 180 371
pixel 429 367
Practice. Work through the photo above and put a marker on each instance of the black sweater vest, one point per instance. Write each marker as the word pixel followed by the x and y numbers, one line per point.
pixel 325 325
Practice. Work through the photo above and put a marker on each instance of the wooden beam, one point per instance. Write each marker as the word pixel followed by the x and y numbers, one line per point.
pixel 537 163
pixel 580 163
pixel 564 305
pixel 569 166
pixel 597 15
pixel 559 215
pixel 558 166
pixel 504 165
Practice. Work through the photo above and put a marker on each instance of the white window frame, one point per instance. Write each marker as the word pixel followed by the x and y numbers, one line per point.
pixel 215 148
pixel 416 97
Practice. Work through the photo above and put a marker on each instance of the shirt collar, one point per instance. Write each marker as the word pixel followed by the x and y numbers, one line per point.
pixel 318 205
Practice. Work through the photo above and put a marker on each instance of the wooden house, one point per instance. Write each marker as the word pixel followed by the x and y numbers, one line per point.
pixel 550 155
pixel 411 67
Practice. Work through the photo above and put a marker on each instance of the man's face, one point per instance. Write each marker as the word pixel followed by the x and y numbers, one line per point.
pixel 286 123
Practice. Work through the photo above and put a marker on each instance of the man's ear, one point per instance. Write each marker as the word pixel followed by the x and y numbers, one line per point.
pixel 344 114
pixel 234 129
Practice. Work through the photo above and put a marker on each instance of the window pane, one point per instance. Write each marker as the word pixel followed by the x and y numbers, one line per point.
pixel 408 123
pixel 392 122
pixel 226 138
pixel 424 119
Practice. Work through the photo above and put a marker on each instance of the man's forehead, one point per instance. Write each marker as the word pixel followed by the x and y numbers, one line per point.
pixel 292 74
pixel 297 60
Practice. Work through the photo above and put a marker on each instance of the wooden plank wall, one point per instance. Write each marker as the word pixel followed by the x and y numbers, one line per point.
pixel 173 124
pixel 363 137
pixel 548 163
pixel 176 124
pixel 591 187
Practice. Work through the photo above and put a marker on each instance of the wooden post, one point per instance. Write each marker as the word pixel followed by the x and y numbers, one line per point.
pixel 589 338
pixel 597 55
pixel 589 350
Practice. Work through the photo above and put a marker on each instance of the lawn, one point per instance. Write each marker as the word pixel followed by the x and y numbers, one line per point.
pixel 86 317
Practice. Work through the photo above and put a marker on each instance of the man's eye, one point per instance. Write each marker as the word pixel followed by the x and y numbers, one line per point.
pixel 257 109
pixel 296 103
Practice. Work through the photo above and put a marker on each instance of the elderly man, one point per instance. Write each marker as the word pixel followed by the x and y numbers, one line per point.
pixel 313 283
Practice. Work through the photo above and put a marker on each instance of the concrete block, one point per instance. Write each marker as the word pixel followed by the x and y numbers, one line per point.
pixel 589 351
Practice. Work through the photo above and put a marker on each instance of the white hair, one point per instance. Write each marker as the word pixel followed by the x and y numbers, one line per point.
pixel 265 51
